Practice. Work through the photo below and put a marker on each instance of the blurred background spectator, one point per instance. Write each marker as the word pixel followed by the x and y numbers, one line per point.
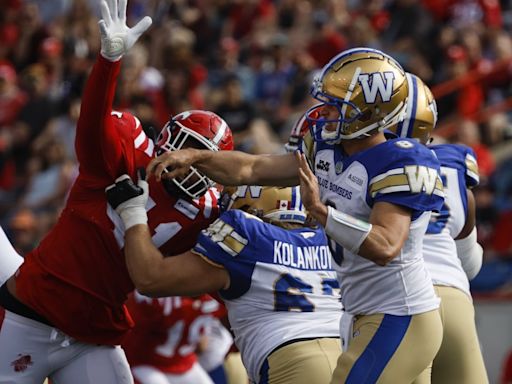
pixel 252 62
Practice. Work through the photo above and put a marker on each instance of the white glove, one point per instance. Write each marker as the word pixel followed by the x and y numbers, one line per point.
pixel 116 37
pixel 129 200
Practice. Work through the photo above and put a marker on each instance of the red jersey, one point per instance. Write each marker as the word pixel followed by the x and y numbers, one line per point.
pixel 77 277
pixel 167 330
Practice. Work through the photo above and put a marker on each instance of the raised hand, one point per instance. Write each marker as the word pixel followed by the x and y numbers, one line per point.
pixel 309 190
pixel 116 37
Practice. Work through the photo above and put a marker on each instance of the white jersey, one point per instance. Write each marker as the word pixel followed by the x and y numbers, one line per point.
pixel 459 170
pixel 283 286
pixel 398 171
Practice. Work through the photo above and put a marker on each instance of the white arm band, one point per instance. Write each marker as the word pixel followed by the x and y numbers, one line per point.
pixel 346 230
pixel 470 254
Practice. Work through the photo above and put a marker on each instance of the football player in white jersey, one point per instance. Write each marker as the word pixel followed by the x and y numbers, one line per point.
pixel 273 271
pixel 451 253
pixel 374 198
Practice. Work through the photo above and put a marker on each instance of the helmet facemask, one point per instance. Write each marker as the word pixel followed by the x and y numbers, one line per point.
pixel 348 112
pixel 194 184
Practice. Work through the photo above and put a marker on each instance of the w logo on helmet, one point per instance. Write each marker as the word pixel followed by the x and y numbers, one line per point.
pixel 377 83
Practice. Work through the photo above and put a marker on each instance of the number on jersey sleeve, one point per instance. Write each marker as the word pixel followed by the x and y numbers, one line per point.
pixel 226 237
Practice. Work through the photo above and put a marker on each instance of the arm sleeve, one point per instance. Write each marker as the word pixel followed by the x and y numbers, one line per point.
pixel 98 148
pixel 225 243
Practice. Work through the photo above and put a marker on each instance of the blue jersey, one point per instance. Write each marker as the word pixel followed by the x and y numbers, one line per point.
pixel 283 286
pixel 459 171
pixel 398 171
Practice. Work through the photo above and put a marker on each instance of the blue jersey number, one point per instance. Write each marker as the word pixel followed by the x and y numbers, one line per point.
pixel 290 293
pixel 438 220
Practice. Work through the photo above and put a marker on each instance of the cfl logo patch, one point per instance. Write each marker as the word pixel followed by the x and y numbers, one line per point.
pixel 377 83
pixel 323 165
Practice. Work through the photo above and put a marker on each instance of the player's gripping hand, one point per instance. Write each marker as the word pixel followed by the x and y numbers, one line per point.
pixel 116 37
pixel 129 199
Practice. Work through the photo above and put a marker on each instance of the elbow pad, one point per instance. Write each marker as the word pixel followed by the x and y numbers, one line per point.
pixel 470 254
pixel 346 230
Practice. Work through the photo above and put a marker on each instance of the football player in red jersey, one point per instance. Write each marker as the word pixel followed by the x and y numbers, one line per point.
pixel 168 331
pixel 65 313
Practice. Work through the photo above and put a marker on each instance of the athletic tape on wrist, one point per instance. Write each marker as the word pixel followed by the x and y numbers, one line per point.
pixel 346 230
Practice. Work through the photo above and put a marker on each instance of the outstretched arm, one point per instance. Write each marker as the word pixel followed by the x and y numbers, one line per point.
pixel 97 143
pixel 153 275
pixel 228 167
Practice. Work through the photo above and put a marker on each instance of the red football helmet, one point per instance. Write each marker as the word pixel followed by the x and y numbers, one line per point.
pixel 194 129
pixel 301 127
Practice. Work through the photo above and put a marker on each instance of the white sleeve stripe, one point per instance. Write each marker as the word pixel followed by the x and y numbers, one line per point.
pixel 404 188
pixel 207 210
pixel 239 238
pixel 139 140
pixel 473 175
pixel 396 171
pixel 395 188
pixel 471 158
pixel 440 193
pixel 149 150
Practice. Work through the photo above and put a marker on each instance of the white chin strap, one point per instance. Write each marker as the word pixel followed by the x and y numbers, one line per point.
pixel 331 137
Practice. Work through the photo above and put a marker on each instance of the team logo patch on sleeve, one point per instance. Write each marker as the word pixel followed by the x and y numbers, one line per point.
pixel 412 178
pixel 226 237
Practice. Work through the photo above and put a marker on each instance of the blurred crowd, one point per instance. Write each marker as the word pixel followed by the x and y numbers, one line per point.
pixel 252 62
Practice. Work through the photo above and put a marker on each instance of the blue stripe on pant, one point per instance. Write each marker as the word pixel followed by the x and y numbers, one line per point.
pixel 379 351
pixel 264 372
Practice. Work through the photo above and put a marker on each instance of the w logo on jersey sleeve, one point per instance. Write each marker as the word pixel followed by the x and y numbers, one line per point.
pixel 421 178
pixel 377 83
pixel 412 178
